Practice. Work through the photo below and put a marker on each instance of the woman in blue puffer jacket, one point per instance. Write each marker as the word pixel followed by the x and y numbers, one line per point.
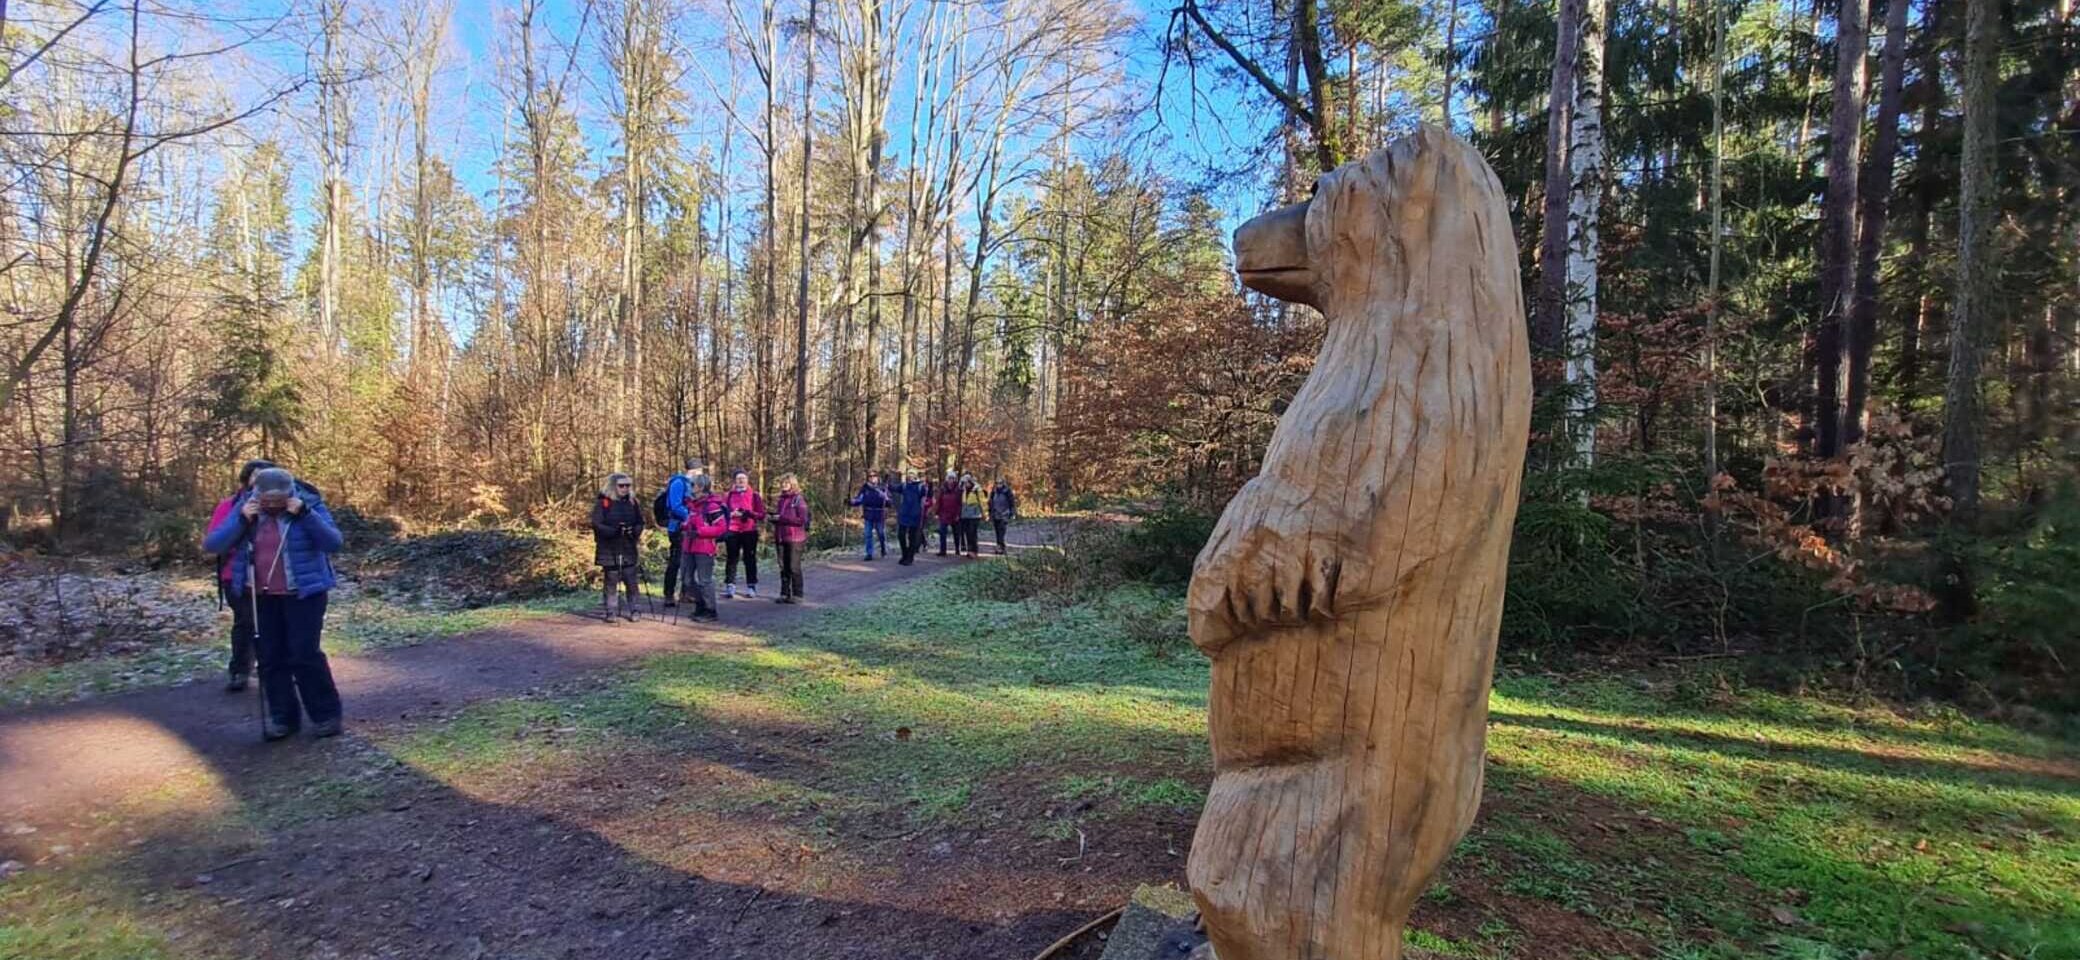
pixel 281 539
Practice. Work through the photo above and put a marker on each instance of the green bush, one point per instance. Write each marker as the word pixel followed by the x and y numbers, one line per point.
pixel 2028 624
pixel 1062 575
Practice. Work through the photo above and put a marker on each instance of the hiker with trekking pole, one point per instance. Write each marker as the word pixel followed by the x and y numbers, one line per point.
pixel 280 539
pixel 669 510
pixel 707 522
pixel 617 529
pixel 241 665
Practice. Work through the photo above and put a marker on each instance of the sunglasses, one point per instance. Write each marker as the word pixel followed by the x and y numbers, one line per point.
pixel 624 486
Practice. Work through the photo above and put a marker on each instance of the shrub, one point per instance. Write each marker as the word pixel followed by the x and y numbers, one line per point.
pixel 2028 606
pixel 464 568
pixel 1161 548
pixel 1060 575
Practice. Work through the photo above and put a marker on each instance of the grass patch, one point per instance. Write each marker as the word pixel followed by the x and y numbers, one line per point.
pixel 75 914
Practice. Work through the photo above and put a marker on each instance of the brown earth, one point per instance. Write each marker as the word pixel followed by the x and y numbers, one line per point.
pixel 207 833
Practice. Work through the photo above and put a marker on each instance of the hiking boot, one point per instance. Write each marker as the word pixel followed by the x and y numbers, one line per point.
pixel 235 683
pixel 326 728
pixel 271 730
pixel 628 615
pixel 670 604
pixel 751 591
pixel 729 591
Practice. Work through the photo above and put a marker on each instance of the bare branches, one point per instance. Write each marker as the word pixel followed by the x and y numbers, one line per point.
pixel 1293 104
pixel 14 69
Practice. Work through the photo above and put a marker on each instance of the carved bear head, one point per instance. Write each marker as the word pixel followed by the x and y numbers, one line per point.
pixel 1348 247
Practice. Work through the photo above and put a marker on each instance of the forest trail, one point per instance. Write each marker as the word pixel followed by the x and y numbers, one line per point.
pixel 61 764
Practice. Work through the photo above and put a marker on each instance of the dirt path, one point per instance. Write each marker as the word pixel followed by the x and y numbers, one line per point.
pixel 165 810
pixel 58 763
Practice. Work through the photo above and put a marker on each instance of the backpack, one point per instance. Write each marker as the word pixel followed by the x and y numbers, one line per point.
pixel 661 508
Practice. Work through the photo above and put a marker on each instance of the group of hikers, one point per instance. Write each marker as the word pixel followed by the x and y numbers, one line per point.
pixel 698 521
pixel 273 540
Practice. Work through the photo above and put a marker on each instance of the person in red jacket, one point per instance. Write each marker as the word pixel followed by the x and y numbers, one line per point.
pixel 747 510
pixel 707 521
pixel 949 508
pixel 791 537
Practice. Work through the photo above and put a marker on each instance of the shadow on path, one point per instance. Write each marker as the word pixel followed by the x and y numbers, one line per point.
pixel 417 868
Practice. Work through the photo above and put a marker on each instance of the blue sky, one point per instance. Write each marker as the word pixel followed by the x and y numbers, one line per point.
pixel 1184 137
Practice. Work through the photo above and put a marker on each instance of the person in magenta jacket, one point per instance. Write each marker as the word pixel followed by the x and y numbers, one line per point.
pixel 747 510
pixel 707 521
pixel 949 508
pixel 241 666
pixel 791 537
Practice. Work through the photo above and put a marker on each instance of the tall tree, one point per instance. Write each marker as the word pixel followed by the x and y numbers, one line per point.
pixel 1874 195
pixel 1548 316
pixel 800 442
pixel 1972 310
pixel 1584 218
pixel 1838 226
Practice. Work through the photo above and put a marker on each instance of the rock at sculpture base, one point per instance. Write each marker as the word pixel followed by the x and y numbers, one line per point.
pixel 1160 923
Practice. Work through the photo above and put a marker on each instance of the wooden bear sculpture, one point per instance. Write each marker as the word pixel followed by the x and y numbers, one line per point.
pixel 1351 594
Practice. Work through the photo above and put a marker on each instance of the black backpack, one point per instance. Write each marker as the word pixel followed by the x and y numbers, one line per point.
pixel 661 508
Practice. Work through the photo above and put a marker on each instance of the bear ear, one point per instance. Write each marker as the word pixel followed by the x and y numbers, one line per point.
pixel 1271 255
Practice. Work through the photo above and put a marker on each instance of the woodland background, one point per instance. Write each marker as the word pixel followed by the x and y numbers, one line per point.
pixel 1804 279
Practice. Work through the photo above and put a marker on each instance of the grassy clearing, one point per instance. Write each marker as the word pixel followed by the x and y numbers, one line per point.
pixel 355 623
pixel 1677 818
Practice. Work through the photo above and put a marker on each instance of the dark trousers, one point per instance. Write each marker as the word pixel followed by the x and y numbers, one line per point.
pixel 628 577
pixel 241 634
pixel 945 529
pixel 699 571
pixel 911 540
pixel 971 535
pixel 999 526
pixel 294 674
pixel 673 559
pixel 744 545
pixel 790 568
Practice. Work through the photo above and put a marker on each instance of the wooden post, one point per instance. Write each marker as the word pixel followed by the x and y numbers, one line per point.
pixel 1351 594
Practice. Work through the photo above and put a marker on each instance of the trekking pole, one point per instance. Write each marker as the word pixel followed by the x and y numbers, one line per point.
pixel 259 682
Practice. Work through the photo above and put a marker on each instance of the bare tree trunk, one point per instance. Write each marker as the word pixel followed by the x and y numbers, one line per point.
pixel 800 446
pixel 762 405
pixel 1451 59
pixel 1972 316
pixel 1711 317
pixel 1875 196
pixel 1838 229
pixel 333 146
pixel 1548 324
pixel 1584 217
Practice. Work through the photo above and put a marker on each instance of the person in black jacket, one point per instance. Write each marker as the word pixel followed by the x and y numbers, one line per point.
pixel 1003 508
pixel 617 529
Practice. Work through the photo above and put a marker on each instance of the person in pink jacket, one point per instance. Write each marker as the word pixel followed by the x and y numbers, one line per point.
pixel 791 537
pixel 707 521
pixel 747 511
pixel 241 666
